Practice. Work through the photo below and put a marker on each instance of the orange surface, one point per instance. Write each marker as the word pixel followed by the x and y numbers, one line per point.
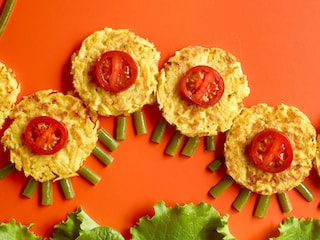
pixel 277 43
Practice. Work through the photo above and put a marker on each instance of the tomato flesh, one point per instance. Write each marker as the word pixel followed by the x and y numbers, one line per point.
pixel 271 151
pixel 116 71
pixel 202 85
pixel 45 135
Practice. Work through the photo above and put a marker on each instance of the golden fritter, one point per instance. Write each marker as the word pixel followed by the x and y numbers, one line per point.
pixel 193 120
pixel 81 125
pixel 9 91
pixel 106 103
pixel 286 119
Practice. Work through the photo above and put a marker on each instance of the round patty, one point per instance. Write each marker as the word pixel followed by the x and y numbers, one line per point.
pixel 193 120
pixel 287 119
pixel 82 135
pixel 106 103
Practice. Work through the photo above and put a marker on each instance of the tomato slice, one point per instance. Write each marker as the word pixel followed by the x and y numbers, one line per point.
pixel 271 151
pixel 202 85
pixel 116 71
pixel 45 135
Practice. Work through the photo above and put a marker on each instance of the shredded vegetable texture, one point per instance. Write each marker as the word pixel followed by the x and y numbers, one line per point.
pixel 299 228
pixel 185 222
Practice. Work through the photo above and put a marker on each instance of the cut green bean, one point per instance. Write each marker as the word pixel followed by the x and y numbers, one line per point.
pixel 6 170
pixel 107 139
pixel 242 199
pixel 89 175
pixel 174 143
pixel 46 193
pixel 5 14
pixel 262 206
pixel 121 128
pixel 158 131
pixel 216 164
pixel 67 188
pixel 104 157
pixel 30 187
pixel 284 201
pixel 139 123
pixel 190 147
pixel 221 186
pixel 210 143
pixel 305 192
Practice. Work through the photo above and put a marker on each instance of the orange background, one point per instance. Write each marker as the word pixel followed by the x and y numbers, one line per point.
pixel 277 43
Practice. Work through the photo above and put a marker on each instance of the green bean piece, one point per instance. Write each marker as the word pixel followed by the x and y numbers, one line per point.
pixel 46 194
pixel 6 170
pixel 305 192
pixel 216 164
pixel 158 131
pixel 67 188
pixel 262 206
pixel 104 157
pixel 210 143
pixel 284 202
pixel 221 186
pixel 6 13
pixel 107 140
pixel 174 143
pixel 190 147
pixel 30 187
pixel 139 123
pixel 121 128
pixel 242 199
pixel 89 175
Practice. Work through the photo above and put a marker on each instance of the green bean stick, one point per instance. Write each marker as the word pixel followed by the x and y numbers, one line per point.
pixel 121 128
pixel 210 143
pixel 107 140
pixel 262 206
pixel 67 188
pixel 6 14
pixel 46 193
pixel 242 199
pixel 89 175
pixel 284 202
pixel 104 157
pixel 158 131
pixel 174 143
pixel 221 186
pixel 139 123
pixel 305 192
pixel 30 187
pixel 216 164
pixel 6 170
pixel 190 147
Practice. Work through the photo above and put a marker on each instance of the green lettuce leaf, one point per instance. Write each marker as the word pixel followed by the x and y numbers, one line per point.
pixel 99 233
pixel 187 222
pixel 14 230
pixel 77 223
pixel 302 229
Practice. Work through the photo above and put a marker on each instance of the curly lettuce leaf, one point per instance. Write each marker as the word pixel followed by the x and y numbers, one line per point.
pixel 294 228
pixel 187 222
pixel 14 230
pixel 77 222
pixel 99 233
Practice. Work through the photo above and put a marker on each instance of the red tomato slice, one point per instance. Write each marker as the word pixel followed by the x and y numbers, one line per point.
pixel 116 71
pixel 45 135
pixel 202 85
pixel 271 151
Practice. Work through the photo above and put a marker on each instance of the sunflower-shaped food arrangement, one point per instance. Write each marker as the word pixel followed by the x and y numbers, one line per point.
pixel 270 150
pixel 114 72
pixel 201 91
pixel 50 136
